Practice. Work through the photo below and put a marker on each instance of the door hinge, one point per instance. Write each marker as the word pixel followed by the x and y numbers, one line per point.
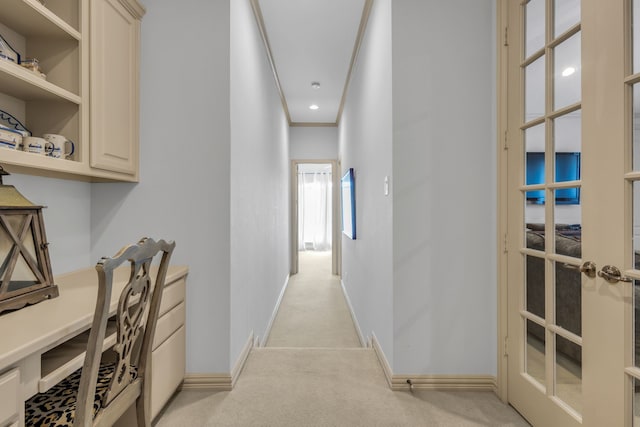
pixel 505 145
pixel 506 346
pixel 504 243
pixel 506 36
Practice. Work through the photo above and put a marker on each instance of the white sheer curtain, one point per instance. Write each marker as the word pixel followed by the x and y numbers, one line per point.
pixel 314 211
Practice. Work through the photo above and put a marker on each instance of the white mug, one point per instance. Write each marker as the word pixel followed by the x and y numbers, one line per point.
pixel 58 147
pixel 10 139
pixel 34 144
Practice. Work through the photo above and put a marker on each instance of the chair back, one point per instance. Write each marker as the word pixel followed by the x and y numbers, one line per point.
pixel 136 316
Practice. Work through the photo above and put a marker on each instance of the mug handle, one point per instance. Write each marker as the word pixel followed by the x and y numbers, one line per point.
pixel 73 148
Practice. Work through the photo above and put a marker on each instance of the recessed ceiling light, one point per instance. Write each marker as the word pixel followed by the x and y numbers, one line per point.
pixel 315 85
pixel 313 107
pixel 568 71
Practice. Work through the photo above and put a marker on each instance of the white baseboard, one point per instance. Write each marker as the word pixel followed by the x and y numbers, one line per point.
pixel 219 382
pixel 400 382
pixel 363 342
pixel 267 332
pixel 242 359
pixel 384 363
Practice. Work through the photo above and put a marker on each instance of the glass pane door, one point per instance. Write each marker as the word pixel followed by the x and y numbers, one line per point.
pixel 551 155
pixel 566 206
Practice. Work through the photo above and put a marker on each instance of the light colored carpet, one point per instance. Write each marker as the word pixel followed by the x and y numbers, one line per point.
pixel 329 387
pixel 286 385
pixel 313 312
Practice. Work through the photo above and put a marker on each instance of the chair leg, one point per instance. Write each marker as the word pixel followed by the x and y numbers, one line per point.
pixel 143 411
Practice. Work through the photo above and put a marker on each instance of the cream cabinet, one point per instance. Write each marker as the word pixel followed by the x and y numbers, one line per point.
pixel 89 53
pixel 115 40
pixel 168 355
pixel 10 400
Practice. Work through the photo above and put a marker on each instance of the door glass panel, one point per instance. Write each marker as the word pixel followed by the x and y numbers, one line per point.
pixel 636 224
pixel 636 323
pixel 534 26
pixel 636 36
pixel 568 222
pixel 535 285
pixel 534 142
pixel 568 297
pixel 636 402
pixel 569 373
pixel 636 126
pixel 534 173
pixel 567 72
pixel 567 14
pixel 535 363
pixel 568 146
pixel 534 89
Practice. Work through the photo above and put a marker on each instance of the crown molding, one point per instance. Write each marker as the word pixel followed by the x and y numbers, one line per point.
pixel 257 13
pixel 366 11
pixel 134 7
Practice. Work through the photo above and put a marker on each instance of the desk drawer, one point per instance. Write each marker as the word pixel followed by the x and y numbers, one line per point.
pixel 10 399
pixel 168 324
pixel 167 370
pixel 174 294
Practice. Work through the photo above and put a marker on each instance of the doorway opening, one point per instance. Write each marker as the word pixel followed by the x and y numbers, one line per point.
pixel 314 227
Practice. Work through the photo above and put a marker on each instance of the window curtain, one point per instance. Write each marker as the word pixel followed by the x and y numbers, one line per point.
pixel 314 211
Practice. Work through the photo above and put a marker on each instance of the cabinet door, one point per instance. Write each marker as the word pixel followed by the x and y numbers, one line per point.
pixel 115 40
pixel 10 397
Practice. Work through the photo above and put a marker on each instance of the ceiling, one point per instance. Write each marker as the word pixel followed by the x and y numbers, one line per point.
pixel 312 41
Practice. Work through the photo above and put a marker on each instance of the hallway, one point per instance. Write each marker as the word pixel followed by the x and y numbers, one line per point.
pixel 313 312
pixel 313 372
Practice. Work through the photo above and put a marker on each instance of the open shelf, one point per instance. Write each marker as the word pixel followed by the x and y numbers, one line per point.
pixel 41 162
pixel 32 19
pixel 63 360
pixel 23 84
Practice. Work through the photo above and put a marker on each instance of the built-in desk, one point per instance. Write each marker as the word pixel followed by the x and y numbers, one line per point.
pixel 43 343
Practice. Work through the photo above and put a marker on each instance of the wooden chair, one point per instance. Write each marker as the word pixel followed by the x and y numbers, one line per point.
pixel 99 393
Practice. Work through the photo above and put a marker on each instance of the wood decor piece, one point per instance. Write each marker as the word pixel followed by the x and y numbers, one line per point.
pixel 25 266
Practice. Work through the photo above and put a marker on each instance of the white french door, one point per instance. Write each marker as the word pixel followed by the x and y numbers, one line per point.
pixel 573 167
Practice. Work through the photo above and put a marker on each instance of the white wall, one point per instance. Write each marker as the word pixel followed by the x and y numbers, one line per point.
pixel 66 218
pixel 444 213
pixel 184 188
pixel 259 183
pixel 313 143
pixel 186 172
pixel 365 136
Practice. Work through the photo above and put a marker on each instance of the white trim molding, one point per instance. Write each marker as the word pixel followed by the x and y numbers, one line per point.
pixel 242 359
pixel 267 332
pixel 363 342
pixel 219 382
pixel 134 7
pixel 405 382
pixel 257 11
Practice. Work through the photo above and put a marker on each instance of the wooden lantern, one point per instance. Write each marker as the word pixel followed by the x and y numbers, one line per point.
pixel 25 267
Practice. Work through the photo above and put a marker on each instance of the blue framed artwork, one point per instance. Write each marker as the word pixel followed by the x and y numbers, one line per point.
pixel 348 198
